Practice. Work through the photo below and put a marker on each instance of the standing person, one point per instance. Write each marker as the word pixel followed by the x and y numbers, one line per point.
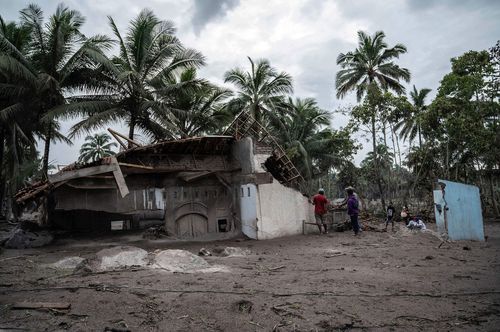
pixel 405 214
pixel 353 210
pixel 320 202
pixel 390 216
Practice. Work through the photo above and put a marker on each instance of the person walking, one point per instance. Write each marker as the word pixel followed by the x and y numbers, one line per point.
pixel 320 208
pixel 353 210
pixel 390 216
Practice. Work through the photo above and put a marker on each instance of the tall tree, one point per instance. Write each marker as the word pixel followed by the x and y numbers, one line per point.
pixel 368 69
pixel 96 147
pixel 197 107
pixel 55 62
pixel 12 36
pixel 411 124
pixel 302 128
pixel 128 85
pixel 463 120
pixel 261 89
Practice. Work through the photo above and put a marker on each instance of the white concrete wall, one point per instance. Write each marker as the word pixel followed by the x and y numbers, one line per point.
pixel 281 211
pixel 249 209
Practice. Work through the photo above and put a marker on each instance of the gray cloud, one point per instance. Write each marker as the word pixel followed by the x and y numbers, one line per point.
pixel 450 4
pixel 205 11
pixel 300 38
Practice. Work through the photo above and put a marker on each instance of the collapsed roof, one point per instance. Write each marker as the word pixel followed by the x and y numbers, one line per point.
pixel 165 157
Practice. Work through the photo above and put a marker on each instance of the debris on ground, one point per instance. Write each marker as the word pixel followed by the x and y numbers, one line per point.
pixel 175 260
pixel 155 232
pixel 68 263
pixel 243 306
pixel 342 226
pixel 234 252
pixel 23 239
pixel 120 257
pixel 204 252
pixel 301 283
pixel 41 305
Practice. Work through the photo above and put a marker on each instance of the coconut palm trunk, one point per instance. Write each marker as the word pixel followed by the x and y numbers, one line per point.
pixel 370 66
pixel 46 152
pixel 14 174
pixel 492 193
pixel 419 137
pixel 376 160
pixel 2 179
pixel 131 130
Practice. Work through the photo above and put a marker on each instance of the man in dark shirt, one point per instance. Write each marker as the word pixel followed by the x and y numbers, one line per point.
pixel 390 216
pixel 320 202
pixel 353 210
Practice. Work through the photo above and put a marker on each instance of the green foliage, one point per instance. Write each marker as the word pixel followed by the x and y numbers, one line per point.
pixel 411 119
pixel 196 109
pixel 303 130
pixel 260 90
pixel 370 63
pixel 96 147
pixel 139 85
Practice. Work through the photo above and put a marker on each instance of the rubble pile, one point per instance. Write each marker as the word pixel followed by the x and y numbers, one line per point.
pixel 68 263
pixel 179 261
pixel 22 239
pixel 155 232
pixel 120 257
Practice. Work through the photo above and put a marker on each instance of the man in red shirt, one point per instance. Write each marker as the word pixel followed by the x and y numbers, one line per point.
pixel 320 203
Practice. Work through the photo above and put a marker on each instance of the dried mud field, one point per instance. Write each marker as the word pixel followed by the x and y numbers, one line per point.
pixel 401 281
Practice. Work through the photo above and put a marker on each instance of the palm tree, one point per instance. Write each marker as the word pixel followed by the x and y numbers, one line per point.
pixel 410 125
pixel 56 62
pixel 198 107
pixel 14 35
pixel 149 58
pixel 370 68
pixel 302 128
pixel 96 147
pixel 260 90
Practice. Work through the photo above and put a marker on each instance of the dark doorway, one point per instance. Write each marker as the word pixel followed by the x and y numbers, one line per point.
pixel 222 225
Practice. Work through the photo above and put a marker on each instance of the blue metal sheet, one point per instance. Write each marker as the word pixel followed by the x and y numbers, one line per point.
pixel 461 214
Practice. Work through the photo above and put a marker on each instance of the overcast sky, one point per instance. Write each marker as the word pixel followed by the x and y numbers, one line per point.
pixel 301 37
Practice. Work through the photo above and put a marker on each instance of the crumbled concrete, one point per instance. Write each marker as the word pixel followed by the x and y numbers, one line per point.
pixel 235 252
pixel 179 261
pixel 22 239
pixel 184 261
pixel 120 257
pixel 68 263
pixel 204 252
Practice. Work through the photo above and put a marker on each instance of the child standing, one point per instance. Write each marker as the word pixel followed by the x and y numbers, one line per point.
pixel 390 216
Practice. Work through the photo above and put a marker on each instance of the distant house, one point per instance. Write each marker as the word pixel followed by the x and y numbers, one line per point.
pixel 212 186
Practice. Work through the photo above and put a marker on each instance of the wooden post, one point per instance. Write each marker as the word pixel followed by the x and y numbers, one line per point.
pixel 120 180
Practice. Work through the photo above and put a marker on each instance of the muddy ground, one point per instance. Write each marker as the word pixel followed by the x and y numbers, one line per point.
pixel 389 281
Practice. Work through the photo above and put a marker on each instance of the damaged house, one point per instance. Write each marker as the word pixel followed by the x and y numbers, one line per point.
pixel 201 187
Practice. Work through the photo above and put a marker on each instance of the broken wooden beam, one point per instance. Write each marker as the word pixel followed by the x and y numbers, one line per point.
pixel 120 180
pixel 80 173
pixel 117 136
pixel 41 305
pixel 136 166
